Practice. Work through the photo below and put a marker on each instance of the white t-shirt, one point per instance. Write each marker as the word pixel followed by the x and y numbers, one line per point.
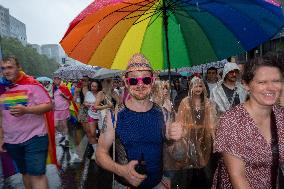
pixel 90 98
pixel 211 86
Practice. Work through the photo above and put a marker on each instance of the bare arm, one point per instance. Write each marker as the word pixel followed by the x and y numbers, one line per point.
pixel 102 153
pixel 236 170
pixel 39 109
pixel 105 161
pixel 20 110
pixel 100 98
pixel 213 118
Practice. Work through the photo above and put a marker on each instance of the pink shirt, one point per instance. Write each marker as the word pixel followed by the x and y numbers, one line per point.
pixel 20 129
pixel 60 103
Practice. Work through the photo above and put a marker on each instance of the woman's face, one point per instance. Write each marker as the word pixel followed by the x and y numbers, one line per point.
pixel 265 87
pixel 94 87
pixel 165 90
pixel 85 81
pixel 197 89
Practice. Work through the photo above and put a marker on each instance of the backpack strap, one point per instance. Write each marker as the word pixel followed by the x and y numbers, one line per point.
pixel 275 151
pixel 114 121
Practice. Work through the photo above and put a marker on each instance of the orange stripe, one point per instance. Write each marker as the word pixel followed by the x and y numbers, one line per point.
pixel 79 31
pixel 15 94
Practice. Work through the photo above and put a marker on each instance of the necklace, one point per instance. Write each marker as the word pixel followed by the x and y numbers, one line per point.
pixel 197 115
pixel 197 112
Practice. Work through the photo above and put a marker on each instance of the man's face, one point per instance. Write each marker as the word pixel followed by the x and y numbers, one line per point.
pixel 232 76
pixel 46 83
pixel 212 75
pixel 10 70
pixel 57 81
pixel 140 90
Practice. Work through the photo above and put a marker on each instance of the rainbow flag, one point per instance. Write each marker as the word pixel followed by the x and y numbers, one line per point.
pixel 12 98
pixel 73 108
pixel 8 165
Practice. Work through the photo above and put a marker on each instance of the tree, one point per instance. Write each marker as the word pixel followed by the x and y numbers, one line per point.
pixel 32 63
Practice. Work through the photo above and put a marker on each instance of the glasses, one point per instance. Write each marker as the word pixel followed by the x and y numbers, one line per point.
pixel 135 81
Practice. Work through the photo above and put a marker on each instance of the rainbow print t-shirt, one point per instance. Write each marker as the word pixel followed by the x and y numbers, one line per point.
pixel 19 129
pixel 12 98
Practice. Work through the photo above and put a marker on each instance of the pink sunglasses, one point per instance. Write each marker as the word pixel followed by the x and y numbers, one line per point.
pixel 144 80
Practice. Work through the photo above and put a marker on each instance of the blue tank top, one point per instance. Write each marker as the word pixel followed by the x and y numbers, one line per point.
pixel 142 133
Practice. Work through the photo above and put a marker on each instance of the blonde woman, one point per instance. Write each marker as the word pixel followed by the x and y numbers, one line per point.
pixel 192 153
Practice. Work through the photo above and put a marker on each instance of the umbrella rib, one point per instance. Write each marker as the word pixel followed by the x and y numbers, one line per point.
pixel 141 15
pixel 181 4
pixel 160 4
pixel 186 16
pixel 155 18
pixel 146 18
pixel 138 4
pixel 139 10
pixel 131 11
pixel 131 4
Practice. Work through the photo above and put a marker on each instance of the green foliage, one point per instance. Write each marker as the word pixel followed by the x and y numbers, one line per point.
pixel 32 63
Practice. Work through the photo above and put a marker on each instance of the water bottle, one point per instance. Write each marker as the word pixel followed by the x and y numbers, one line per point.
pixel 141 166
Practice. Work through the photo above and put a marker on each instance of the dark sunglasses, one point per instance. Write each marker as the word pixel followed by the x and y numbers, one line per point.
pixel 135 81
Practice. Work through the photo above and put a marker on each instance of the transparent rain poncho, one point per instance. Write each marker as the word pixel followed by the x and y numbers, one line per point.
pixel 195 147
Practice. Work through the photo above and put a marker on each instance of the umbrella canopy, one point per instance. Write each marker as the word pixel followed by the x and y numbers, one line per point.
pixel 43 78
pixel 106 73
pixel 76 72
pixel 180 33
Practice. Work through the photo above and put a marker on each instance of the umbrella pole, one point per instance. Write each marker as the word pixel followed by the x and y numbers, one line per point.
pixel 165 23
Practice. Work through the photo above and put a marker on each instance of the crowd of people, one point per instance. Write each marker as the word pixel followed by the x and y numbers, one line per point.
pixel 217 131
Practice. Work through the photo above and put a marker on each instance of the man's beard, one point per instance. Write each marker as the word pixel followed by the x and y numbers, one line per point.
pixel 232 79
pixel 139 97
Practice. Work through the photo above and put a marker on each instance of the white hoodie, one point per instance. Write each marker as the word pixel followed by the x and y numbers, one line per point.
pixel 218 95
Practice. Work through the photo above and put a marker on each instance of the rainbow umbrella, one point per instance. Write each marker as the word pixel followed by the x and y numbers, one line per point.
pixel 170 33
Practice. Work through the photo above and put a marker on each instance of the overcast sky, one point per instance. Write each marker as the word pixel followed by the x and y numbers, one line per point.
pixel 46 20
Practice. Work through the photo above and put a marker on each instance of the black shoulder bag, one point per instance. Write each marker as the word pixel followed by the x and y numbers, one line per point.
pixel 276 173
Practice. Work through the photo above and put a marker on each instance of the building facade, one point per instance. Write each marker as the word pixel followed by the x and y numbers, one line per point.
pixel 4 22
pixel 36 47
pixel 18 30
pixel 12 27
pixel 53 51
